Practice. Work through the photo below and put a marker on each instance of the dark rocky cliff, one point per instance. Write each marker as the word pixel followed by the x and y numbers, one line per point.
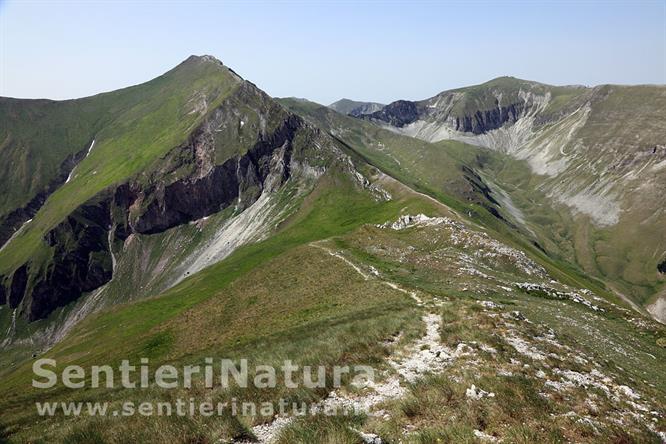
pixel 18 286
pixel 399 113
pixel 81 259
pixel 482 120
pixel 191 199
pixel 80 246
pixel 662 267
pixel 12 221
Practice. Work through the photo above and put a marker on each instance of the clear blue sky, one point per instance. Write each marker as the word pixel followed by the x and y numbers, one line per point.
pixel 323 51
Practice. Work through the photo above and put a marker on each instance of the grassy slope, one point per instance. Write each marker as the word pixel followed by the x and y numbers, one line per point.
pixel 524 409
pixel 170 326
pixel 33 156
pixel 345 106
pixel 628 253
pixel 285 298
pixel 140 124
pixel 433 267
pixel 402 157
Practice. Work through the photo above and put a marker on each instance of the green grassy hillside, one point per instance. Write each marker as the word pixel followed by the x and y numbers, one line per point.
pixel 289 297
pixel 334 242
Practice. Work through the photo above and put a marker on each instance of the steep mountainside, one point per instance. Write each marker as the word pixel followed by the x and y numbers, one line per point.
pixel 597 152
pixel 105 236
pixel 213 221
pixel 44 140
pixel 353 108
pixel 454 182
pixel 456 321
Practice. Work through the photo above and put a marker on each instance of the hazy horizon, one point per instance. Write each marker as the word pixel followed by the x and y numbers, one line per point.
pixel 323 51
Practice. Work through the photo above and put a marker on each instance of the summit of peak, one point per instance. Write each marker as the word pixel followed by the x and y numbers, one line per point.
pixel 205 62
pixel 203 58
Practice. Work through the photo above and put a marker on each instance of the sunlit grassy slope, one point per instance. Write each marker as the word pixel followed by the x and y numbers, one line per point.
pixel 289 298
pixel 163 327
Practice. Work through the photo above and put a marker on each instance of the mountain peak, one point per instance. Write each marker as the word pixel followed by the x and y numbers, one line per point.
pixel 203 58
pixel 509 81
pixel 355 108
pixel 203 61
pixel 207 63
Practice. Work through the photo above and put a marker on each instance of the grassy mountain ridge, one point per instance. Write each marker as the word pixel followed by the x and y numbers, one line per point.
pixel 241 142
pixel 237 292
pixel 245 167
pixel 275 230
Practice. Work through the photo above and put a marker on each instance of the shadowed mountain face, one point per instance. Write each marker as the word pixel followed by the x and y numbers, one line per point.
pixel 597 154
pixel 466 246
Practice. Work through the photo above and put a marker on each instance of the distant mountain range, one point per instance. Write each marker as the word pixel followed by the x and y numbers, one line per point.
pixel 352 108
